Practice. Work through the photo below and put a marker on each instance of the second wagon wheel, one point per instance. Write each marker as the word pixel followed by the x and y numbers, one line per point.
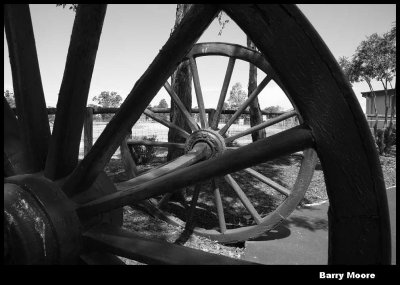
pixel 61 210
pixel 227 221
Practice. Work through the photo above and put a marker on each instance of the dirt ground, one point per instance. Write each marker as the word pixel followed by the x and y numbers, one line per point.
pixel 282 170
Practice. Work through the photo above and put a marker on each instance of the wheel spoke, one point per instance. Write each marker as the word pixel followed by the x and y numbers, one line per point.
pixel 191 122
pixel 220 207
pixel 199 94
pixel 71 106
pixel 283 143
pixel 242 196
pixel 27 83
pixel 15 160
pixel 192 209
pixel 263 125
pixel 155 143
pixel 246 103
pixel 196 154
pixel 181 40
pixel 268 181
pixel 166 123
pixel 164 200
pixel 225 85
pixel 127 244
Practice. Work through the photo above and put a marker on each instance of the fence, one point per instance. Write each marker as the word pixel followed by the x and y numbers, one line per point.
pixel 96 120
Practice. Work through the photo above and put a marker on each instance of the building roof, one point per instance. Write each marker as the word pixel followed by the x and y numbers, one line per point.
pixel 379 93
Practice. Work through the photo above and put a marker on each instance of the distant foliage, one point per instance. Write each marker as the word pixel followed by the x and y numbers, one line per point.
pixel 237 96
pixel 222 20
pixel 9 95
pixel 72 7
pixel 273 109
pixel 108 99
pixel 375 59
pixel 162 104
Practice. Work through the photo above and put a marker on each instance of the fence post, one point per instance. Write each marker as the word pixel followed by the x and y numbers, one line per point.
pixel 88 130
pixel 211 116
pixel 127 160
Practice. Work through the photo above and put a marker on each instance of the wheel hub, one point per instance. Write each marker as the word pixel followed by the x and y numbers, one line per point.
pixel 212 138
pixel 40 223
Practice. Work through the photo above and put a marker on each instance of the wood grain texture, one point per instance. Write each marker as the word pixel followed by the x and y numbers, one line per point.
pixel 283 143
pixel 358 216
pixel 27 83
pixel 178 45
pixel 71 105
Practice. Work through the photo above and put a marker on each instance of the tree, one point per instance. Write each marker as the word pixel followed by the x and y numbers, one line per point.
pixel 362 68
pixel 9 95
pixel 162 104
pixel 108 99
pixel 181 83
pixel 386 67
pixel 237 96
pixel 375 59
pixel 346 66
pixel 255 111
pixel 273 109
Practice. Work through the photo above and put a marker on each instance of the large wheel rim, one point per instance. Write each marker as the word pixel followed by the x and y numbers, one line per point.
pixel 262 223
pixel 359 231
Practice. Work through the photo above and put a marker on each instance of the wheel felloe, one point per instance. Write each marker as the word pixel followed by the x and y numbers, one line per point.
pixel 40 224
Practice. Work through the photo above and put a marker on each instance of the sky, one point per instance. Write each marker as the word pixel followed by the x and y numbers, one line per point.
pixel 133 34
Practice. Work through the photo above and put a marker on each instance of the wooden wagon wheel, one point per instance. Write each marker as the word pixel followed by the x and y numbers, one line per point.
pixel 60 211
pixel 217 142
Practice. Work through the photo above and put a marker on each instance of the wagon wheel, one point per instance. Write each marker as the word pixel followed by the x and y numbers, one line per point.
pixel 60 211
pixel 217 140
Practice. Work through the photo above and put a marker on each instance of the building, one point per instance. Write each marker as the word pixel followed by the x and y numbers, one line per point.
pixel 380 106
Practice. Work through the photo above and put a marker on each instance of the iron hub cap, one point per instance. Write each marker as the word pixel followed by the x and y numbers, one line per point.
pixel 212 138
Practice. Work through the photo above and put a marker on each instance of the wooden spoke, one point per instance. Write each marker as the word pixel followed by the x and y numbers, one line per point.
pixel 220 207
pixel 283 143
pixel 191 122
pixel 71 106
pixel 166 123
pixel 88 130
pixel 268 181
pixel 246 103
pixel 196 154
pixel 225 85
pixel 263 125
pixel 164 200
pixel 242 196
pixel 127 244
pixel 193 204
pixel 155 143
pixel 183 37
pixel 31 106
pixel 15 159
pixel 199 94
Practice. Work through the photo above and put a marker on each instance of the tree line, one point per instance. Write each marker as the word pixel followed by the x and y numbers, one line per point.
pixel 375 60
